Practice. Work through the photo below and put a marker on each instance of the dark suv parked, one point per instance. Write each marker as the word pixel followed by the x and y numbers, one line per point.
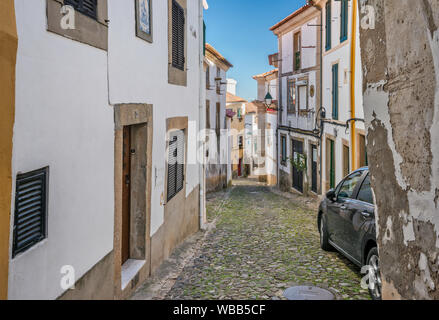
pixel 346 222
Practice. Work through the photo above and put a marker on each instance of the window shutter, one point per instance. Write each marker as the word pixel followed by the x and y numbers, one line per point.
pixel 335 91
pixel 176 154
pixel 344 21
pixel 30 210
pixel 328 25
pixel 87 7
pixel 178 36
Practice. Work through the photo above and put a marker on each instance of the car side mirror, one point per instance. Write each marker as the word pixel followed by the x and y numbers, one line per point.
pixel 331 195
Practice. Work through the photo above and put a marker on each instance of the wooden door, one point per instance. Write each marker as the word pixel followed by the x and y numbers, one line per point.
pixel 331 164
pixel 346 161
pixel 297 175
pixel 126 194
pixel 314 159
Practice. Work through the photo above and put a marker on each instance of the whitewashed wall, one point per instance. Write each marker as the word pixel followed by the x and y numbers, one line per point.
pixel 63 120
pixel 341 54
pixel 214 98
pixel 139 74
pixel 270 144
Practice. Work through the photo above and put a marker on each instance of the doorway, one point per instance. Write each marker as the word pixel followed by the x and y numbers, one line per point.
pixel 330 163
pixel 126 194
pixel 362 151
pixel 314 159
pixel 346 160
pixel 134 185
pixel 297 175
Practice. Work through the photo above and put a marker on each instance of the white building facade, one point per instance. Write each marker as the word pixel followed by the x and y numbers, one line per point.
pixel 106 180
pixel 299 100
pixel 218 145
pixel 343 140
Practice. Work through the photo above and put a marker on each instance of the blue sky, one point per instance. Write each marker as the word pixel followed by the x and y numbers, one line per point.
pixel 239 30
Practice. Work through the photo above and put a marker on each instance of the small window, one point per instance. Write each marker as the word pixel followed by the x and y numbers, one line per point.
pixel 241 142
pixel 348 187
pixel 365 193
pixel 178 36
pixel 297 51
pixel 87 7
pixel 284 149
pixel 218 80
pixel 344 16
pixel 208 77
pixel 291 103
pixel 328 27
pixel 176 156
pixel 30 210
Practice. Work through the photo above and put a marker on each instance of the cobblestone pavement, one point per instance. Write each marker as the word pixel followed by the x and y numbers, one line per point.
pixel 262 244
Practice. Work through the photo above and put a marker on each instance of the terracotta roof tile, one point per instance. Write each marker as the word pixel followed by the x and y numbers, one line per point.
pixel 266 74
pixel 234 99
pixel 218 55
pixel 291 16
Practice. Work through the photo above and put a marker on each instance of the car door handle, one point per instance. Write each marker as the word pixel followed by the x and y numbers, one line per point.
pixel 366 214
pixel 343 207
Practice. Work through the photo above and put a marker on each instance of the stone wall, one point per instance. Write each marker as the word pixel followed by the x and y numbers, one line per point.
pixel 400 54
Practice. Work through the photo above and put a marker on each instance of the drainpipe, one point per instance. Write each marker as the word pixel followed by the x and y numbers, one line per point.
pixel 319 7
pixel 201 116
pixel 353 56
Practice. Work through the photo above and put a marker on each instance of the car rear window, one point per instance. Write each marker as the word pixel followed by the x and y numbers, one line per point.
pixel 365 193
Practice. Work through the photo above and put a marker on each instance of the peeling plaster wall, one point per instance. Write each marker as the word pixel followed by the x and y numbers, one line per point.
pixel 401 104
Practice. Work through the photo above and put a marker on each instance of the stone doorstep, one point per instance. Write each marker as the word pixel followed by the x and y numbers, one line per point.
pixel 129 270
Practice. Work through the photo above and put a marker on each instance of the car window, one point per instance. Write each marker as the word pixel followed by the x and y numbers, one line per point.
pixel 365 193
pixel 348 186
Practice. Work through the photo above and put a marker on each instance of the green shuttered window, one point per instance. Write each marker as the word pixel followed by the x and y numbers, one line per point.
pixel 335 92
pixel 328 27
pixel 344 18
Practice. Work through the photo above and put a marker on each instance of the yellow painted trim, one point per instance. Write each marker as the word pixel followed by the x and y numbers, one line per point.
pixel 353 53
pixel 8 52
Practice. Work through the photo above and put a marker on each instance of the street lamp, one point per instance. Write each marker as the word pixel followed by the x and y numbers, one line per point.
pixel 268 100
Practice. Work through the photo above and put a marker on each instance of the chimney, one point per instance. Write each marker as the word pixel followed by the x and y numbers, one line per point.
pixel 231 86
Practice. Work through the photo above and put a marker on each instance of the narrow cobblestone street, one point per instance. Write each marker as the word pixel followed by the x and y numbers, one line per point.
pixel 261 244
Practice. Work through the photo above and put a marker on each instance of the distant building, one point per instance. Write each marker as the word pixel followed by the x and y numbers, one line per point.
pixel 236 107
pixel 261 127
pixel 218 153
pixel 300 100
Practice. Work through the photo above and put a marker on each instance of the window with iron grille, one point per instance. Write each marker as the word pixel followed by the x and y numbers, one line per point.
pixel 178 36
pixel 30 210
pixel 176 163
pixel 87 7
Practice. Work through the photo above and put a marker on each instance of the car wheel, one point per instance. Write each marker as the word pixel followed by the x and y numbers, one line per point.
pixel 324 238
pixel 375 283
